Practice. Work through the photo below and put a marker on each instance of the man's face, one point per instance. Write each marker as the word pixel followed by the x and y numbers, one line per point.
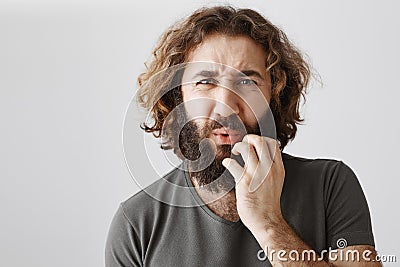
pixel 224 101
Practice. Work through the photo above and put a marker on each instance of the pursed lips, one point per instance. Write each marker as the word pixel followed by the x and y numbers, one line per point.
pixel 226 136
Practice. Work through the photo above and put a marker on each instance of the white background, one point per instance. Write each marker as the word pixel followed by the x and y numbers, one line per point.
pixel 68 71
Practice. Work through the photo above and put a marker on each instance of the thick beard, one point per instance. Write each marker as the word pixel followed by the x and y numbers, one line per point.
pixel 215 177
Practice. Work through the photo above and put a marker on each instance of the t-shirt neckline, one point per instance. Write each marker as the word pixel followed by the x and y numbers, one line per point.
pixel 204 205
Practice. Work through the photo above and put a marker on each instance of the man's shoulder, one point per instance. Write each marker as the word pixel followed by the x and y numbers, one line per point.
pixel 315 162
pixel 144 196
pixel 319 173
pixel 166 192
pixel 316 168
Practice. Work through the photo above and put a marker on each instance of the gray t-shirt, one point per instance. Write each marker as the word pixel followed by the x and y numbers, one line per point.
pixel 321 200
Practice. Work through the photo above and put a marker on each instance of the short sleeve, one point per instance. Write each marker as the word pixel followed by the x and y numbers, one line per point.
pixel 348 220
pixel 122 245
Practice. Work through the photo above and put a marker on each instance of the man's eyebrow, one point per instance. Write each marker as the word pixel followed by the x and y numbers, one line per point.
pixel 206 73
pixel 251 73
pixel 212 74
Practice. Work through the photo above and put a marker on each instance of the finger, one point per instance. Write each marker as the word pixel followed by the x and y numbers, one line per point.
pixel 261 148
pixel 261 145
pixel 234 168
pixel 248 154
pixel 278 154
pixel 271 145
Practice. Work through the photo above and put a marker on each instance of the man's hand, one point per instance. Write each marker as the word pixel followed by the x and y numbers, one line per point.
pixel 259 183
pixel 258 191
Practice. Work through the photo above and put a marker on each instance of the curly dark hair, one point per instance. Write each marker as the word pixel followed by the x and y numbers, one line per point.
pixel 290 73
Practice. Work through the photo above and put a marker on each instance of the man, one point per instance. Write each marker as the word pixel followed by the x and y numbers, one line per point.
pixel 235 69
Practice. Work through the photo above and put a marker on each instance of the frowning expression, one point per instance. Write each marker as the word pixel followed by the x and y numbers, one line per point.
pixel 230 80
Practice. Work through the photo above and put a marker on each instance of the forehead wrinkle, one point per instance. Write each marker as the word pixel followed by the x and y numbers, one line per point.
pixel 211 50
pixel 238 52
pixel 232 64
pixel 236 61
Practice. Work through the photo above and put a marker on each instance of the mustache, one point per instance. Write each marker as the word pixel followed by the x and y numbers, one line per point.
pixel 232 122
pixel 192 133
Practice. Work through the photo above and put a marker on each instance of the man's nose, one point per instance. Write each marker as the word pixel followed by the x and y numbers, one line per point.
pixel 226 102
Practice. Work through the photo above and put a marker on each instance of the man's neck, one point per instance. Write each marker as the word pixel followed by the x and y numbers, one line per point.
pixel 224 207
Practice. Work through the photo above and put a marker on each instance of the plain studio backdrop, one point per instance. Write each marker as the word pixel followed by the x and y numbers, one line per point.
pixel 68 71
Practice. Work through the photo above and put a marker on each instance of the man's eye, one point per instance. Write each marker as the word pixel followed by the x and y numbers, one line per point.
pixel 206 81
pixel 205 84
pixel 247 82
